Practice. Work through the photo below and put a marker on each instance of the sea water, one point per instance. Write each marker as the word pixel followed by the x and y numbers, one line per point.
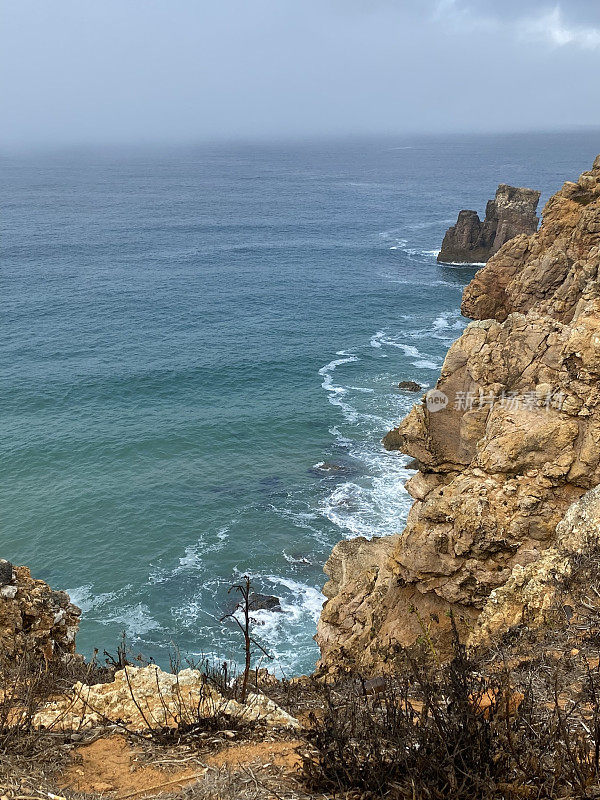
pixel 201 348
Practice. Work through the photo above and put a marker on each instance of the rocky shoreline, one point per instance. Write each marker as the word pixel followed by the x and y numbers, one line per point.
pixel 481 617
pixel 501 465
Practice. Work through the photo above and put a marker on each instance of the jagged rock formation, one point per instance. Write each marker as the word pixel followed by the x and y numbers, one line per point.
pixel 34 620
pixel 540 588
pixel 510 214
pixel 517 444
pixel 552 272
pixel 145 698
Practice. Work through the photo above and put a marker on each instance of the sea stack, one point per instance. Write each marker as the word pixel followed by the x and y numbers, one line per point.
pixel 512 212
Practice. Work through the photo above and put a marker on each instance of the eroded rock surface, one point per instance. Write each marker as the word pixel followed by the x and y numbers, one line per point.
pixel 516 445
pixel 145 698
pixel 510 214
pixel 534 592
pixel 34 620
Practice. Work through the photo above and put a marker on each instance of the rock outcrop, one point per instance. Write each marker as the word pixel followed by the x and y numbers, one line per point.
pixel 500 463
pixel 40 625
pixel 34 620
pixel 535 592
pixel 143 698
pixel 511 213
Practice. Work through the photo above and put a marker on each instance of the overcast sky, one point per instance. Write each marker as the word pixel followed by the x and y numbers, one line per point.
pixel 184 70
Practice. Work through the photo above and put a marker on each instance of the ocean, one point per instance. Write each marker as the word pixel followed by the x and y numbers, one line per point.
pixel 201 353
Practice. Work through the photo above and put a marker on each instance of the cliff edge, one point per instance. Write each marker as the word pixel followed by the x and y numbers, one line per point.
pixel 515 446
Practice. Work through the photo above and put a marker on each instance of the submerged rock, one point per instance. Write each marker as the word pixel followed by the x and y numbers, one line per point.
pixel 511 213
pixel 410 386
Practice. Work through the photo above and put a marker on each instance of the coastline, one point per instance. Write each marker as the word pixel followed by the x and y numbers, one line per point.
pixel 513 446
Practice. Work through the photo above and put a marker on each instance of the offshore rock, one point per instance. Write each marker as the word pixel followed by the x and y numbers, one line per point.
pixel 410 386
pixel 264 602
pixel 500 463
pixel 143 698
pixel 553 272
pixel 510 214
pixel 35 621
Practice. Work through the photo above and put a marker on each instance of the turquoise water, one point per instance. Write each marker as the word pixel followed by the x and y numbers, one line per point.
pixel 201 349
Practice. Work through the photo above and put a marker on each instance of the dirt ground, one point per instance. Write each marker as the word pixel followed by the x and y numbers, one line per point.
pixel 112 765
pixel 117 767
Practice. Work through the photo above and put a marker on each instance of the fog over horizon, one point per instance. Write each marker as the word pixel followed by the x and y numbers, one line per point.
pixel 178 71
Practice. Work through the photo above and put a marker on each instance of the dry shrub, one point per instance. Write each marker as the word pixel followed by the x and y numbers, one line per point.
pixel 455 733
pixel 26 685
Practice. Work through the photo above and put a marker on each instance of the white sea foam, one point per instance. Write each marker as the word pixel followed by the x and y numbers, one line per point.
pixel 295 559
pixel 400 243
pixel 463 263
pixel 301 519
pixel 375 506
pixel 83 597
pixel 88 600
pixel 448 320
pixel 425 364
pixel 433 223
pixel 135 620
pixel 420 360
pixel 307 599
pixel 412 282
pixel 441 321
pixel 336 392
pixel 376 340
pixel 374 503
pixel 281 632
pixel 193 554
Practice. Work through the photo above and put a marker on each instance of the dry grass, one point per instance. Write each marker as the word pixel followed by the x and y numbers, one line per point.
pixel 461 732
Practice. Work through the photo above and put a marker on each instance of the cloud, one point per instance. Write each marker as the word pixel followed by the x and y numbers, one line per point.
pixel 527 20
pixel 553 28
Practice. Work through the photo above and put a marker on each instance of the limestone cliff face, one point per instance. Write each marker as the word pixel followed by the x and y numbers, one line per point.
pixel 510 214
pixel 516 445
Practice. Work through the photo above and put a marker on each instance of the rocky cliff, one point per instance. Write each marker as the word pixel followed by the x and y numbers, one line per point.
pixel 35 621
pixel 515 445
pixel 510 214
